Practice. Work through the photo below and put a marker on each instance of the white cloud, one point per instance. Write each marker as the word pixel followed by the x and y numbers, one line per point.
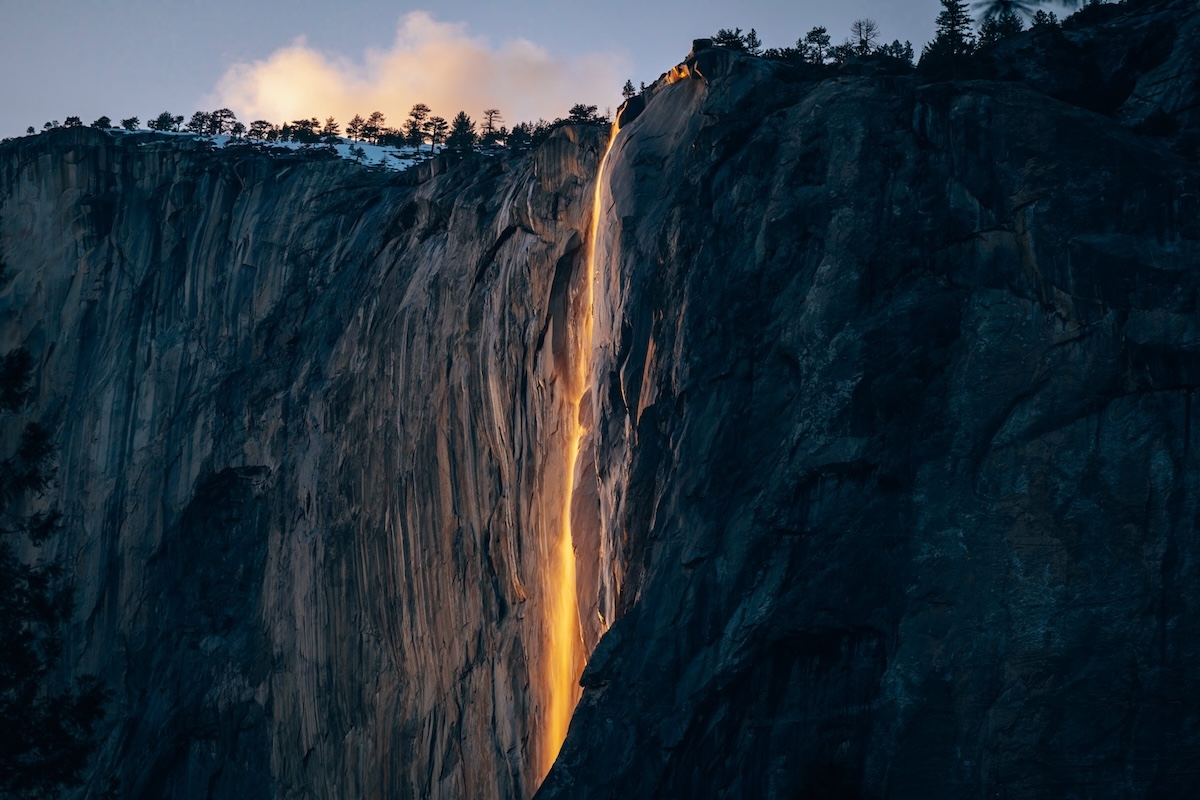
pixel 431 62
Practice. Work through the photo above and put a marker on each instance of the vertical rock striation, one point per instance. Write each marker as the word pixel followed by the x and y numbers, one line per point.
pixel 311 434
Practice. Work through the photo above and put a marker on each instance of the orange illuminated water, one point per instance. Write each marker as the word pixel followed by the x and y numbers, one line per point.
pixel 566 649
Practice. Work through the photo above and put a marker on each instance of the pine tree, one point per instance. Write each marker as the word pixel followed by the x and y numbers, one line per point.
pixel 752 43
pixel 165 121
pixel 899 50
pixel 491 127
pixel 259 129
pixel 1044 19
pixel 953 25
pixel 865 33
pixel 998 27
pixel 374 126
pixel 733 39
pixel 953 43
pixel 992 8
pixel 331 131
pixel 414 128
pixel 46 735
pixel 221 121
pixel 815 45
pixel 491 119
pixel 435 129
pixel 199 123
pixel 581 113
pixel 305 131
pixel 841 53
pixel 520 136
pixel 627 91
pixel 462 134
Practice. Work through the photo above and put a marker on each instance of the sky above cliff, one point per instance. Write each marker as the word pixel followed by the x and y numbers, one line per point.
pixel 301 58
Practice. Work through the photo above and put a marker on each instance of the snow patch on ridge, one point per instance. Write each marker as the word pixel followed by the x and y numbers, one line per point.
pixel 392 158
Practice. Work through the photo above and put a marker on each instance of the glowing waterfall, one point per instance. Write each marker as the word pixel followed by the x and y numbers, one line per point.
pixel 566 651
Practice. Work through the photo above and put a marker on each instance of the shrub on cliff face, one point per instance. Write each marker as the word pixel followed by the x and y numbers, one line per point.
pixel 46 735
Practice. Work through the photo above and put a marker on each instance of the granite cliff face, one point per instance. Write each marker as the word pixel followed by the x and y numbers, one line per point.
pixel 305 417
pixel 887 488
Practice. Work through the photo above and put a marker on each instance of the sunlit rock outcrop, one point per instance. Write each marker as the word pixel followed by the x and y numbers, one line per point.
pixel 311 441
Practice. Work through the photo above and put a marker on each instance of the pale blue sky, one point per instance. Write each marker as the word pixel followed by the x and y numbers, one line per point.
pixel 138 57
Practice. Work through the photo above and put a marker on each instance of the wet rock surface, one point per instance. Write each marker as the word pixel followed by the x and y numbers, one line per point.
pixel 889 488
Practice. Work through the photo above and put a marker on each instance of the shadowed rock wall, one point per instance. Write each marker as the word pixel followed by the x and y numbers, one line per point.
pixel 899 437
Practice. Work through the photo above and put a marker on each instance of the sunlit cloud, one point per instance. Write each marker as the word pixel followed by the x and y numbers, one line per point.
pixel 431 62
